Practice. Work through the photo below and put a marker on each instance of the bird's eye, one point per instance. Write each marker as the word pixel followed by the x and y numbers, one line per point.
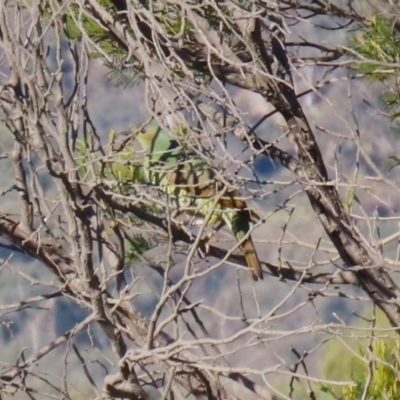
pixel 144 130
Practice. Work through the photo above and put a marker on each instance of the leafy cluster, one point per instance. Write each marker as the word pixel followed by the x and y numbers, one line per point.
pixel 378 48
pixel 379 41
pixel 373 366
pixel 383 371
pixel 378 377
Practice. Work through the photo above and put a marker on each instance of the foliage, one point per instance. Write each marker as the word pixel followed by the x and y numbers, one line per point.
pixel 375 371
pixel 383 370
pixel 379 42
pixel 372 364
pixel 123 74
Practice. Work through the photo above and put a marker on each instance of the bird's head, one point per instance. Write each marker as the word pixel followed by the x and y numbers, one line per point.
pixel 147 134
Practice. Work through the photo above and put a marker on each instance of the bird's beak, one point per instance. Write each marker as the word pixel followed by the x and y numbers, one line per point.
pixel 133 132
pixel 126 132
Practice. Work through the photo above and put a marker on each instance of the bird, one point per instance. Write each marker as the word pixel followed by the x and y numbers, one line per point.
pixel 187 178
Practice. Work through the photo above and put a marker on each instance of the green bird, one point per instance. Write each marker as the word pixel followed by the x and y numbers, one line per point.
pixel 192 183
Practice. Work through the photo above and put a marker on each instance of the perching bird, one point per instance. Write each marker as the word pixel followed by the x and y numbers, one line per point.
pixel 192 183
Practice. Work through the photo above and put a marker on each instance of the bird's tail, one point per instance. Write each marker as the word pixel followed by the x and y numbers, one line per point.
pixel 240 227
pixel 251 256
